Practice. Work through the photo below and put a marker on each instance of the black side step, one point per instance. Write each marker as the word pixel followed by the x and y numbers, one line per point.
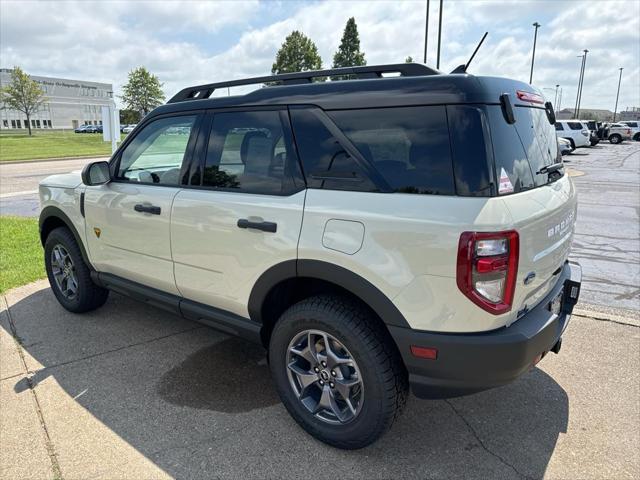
pixel 219 319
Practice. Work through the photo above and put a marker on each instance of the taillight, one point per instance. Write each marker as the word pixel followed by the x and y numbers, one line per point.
pixel 487 268
pixel 529 97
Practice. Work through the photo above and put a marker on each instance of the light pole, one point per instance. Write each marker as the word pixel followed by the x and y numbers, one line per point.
pixel 559 107
pixel 615 110
pixel 439 35
pixel 426 33
pixel 584 64
pixel 575 109
pixel 533 55
pixel 555 99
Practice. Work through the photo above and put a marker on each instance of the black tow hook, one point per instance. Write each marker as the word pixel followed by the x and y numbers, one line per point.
pixel 556 348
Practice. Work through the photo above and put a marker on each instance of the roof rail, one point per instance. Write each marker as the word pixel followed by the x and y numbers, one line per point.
pixel 201 92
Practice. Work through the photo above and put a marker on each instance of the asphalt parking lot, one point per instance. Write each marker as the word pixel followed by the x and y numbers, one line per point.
pixel 130 391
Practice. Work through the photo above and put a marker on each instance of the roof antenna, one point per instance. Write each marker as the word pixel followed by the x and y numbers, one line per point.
pixel 463 68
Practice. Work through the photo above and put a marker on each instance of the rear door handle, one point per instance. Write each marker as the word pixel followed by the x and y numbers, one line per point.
pixel 153 210
pixel 264 226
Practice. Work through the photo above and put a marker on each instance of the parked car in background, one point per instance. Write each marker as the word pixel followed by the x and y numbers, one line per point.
pixel 635 129
pixel 619 132
pixel 592 125
pixel 565 146
pixel 81 129
pixel 575 131
pixel 129 128
pixel 99 129
pixel 285 229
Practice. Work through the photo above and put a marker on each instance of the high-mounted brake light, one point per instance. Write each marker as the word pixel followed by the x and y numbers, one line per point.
pixel 529 97
pixel 487 268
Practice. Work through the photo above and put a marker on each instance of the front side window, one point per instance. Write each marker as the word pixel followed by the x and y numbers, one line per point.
pixel 249 151
pixel 408 146
pixel 156 153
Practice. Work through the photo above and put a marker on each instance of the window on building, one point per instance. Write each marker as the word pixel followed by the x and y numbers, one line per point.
pixel 26 124
pixel 38 124
pixel 49 123
pixel 5 123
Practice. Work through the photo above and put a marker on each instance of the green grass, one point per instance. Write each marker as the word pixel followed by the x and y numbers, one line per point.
pixel 51 144
pixel 21 257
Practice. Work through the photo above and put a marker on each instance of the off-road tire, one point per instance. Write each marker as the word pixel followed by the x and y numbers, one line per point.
pixel 89 295
pixel 384 377
pixel 615 138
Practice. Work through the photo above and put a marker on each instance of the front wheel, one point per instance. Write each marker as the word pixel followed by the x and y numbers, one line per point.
pixel 337 371
pixel 69 276
pixel 615 138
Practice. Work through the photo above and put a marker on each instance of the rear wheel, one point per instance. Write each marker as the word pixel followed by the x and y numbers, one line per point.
pixel 636 137
pixel 615 138
pixel 69 276
pixel 573 144
pixel 337 371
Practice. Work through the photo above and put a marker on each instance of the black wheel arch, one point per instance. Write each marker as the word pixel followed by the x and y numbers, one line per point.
pixel 288 282
pixel 53 217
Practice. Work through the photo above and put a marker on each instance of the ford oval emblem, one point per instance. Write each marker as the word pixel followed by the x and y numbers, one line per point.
pixel 529 278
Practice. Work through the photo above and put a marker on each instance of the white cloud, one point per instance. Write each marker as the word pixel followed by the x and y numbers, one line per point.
pixel 181 42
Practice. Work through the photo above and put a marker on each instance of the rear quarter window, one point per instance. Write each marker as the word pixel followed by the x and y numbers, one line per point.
pixel 575 125
pixel 408 146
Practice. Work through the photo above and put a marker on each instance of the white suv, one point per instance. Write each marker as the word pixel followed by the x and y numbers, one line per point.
pixel 575 131
pixel 635 129
pixel 372 233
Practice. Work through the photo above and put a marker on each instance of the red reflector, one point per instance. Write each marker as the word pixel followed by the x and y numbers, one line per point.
pixel 529 97
pixel 424 352
pixel 487 265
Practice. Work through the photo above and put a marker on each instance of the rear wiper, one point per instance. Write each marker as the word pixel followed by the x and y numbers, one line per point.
pixel 554 167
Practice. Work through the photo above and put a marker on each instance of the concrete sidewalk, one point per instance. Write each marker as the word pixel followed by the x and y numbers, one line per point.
pixel 132 392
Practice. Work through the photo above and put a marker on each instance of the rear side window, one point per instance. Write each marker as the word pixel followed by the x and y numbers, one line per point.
pixel 575 125
pixel 326 164
pixel 408 146
pixel 559 127
pixel 248 151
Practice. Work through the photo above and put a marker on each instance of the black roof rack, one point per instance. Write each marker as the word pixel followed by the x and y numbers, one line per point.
pixel 201 92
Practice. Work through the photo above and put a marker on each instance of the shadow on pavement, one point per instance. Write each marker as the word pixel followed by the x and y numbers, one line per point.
pixel 200 404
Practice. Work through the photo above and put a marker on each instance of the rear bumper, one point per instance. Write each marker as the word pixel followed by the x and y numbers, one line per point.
pixel 469 363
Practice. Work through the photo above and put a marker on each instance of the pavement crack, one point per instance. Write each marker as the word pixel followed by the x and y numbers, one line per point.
pixel 483 445
pixel 124 347
pixel 55 466
pixel 608 320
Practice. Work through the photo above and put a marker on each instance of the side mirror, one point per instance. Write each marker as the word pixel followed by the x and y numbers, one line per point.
pixel 96 173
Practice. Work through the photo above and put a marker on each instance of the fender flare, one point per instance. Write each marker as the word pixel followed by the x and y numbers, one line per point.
pixel 55 212
pixel 329 272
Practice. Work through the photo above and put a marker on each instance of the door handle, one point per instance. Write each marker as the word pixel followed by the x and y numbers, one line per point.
pixel 264 226
pixel 153 210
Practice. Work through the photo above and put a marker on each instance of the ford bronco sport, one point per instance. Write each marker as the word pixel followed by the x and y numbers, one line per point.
pixel 373 233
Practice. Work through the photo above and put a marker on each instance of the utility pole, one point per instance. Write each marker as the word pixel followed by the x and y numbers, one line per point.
pixel 555 99
pixel 533 55
pixel 439 34
pixel 559 107
pixel 426 34
pixel 615 110
pixel 584 64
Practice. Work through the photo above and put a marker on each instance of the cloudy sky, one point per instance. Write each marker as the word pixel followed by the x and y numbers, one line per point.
pixel 187 43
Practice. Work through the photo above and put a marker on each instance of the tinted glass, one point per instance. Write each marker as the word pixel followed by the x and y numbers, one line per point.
pixel 559 126
pixel 575 125
pixel 408 146
pixel 156 153
pixel 470 145
pixel 247 151
pixel 326 164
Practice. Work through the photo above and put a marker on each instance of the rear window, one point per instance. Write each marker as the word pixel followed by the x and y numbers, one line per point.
pixel 408 146
pixel 522 149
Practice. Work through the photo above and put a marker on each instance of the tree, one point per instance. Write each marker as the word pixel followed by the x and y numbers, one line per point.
pixel 297 54
pixel 22 94
pixel 143 91
pixel 349 54
pixel 128 116
pixel 409 59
